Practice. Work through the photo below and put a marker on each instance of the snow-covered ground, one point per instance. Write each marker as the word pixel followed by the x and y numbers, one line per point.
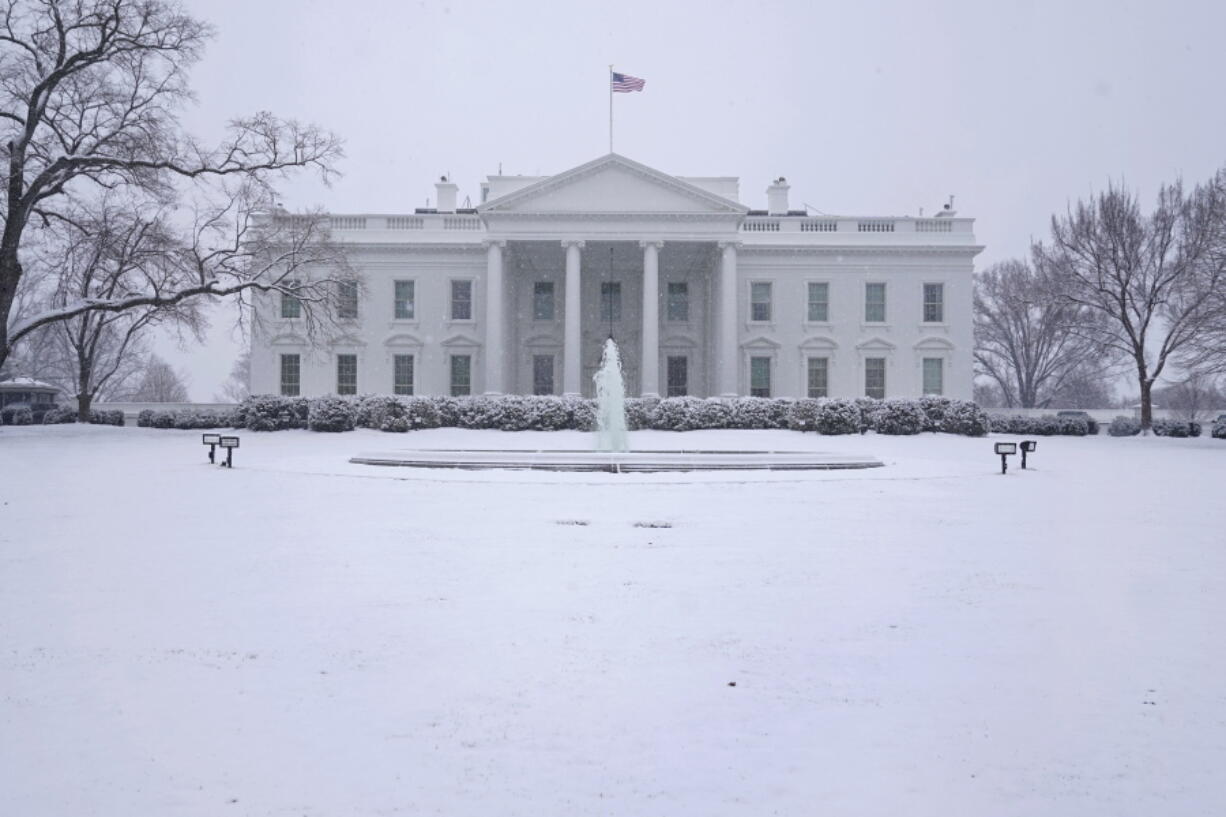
pixel 303 636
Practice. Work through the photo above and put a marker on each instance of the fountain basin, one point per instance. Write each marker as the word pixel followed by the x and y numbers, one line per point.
pixel 617 462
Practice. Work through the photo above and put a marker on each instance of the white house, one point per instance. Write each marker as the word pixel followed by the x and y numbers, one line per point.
pixel 703 295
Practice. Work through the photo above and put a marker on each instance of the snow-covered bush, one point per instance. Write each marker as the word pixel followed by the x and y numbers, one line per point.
pixel 369 409
pixel 640 412
pixel 935 410
pixel 188 419
pixel 330 413
pixel 965 418
pixel 802 414
pixel 760 412
pixel 900 417
pixel 448 409
pixel 421 412
pixel 1219 428
pixel 270 412
pixel 870 410
pixel 145 418
pixel 1124 427
pixel 17 416
pixel 59 416
pixel 841 416
pixel 675 414
pixel 1175 428
pixel 111 417
pixel 1046 425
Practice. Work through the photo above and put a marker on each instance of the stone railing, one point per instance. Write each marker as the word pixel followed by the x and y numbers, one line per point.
pixel 843 224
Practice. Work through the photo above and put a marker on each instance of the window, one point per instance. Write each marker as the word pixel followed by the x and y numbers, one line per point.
pixel 461 375
pixel 461 300
pixel 819 376
pixel 874 377
pixel 760 301
pixel 542 374
pixel 678 305
pixel 347 299
pixel 542 301
pixel 934 375
pixel 934 303
pixel 874 303
pixel 291 375
pixel 346 374
pixel 819 302
pixel 291 307
pixel 678 374
pixel 402 374
pixel 610 301
pixel 405 300
pixel 760 377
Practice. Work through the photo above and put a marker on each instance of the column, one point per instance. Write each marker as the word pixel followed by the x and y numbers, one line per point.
pixel 495 334
pixel 649 370
pixel 726 355
pixel 571 349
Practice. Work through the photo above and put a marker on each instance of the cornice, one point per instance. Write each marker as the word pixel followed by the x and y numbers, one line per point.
pixel 846 249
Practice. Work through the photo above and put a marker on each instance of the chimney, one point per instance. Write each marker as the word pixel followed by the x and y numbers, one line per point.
pixel 777 197
pixel 446 195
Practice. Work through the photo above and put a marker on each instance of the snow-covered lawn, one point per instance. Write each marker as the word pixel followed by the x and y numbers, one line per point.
pixel 302 636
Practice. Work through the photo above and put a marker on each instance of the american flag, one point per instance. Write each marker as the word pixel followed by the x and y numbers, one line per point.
pixel 624 83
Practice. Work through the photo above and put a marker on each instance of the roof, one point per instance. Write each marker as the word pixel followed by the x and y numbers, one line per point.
pixel 26 384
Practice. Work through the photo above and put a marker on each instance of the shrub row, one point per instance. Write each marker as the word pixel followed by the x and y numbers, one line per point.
pixel 551 413
pixel 1219 429
pixel 25 416
pixel 1130 427
pixel 1046 425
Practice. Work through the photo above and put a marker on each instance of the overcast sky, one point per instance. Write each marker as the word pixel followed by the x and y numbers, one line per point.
pixel 866 108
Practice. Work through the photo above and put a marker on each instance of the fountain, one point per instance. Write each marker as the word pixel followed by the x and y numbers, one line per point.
pixel 613 452
pixel 610 401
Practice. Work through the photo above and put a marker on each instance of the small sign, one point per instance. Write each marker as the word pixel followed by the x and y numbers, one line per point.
pixel 228 442
pixel 211 439
pixel 1001 448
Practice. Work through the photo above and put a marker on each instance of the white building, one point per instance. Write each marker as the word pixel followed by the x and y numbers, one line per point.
pixel 703 295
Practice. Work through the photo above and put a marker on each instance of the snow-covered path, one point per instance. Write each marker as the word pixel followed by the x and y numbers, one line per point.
pixel 303 636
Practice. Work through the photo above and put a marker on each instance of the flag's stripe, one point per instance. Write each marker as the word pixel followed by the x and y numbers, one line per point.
pixel 624 83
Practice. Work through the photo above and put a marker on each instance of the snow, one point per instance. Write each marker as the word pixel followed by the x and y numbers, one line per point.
pixel 306 636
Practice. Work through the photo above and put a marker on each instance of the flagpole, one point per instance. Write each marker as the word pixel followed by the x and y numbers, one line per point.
pixel 610 109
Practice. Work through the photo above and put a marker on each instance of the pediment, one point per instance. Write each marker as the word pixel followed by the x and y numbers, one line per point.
pixel 288 340
pixel 819 342
pixel 612 184
pixel 402 339
pixel 761 343
pixel 678 342
pixel 462 341
pixel 935 342
pixel 876 345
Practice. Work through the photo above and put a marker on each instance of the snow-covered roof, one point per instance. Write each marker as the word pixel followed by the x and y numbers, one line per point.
pixel 25 384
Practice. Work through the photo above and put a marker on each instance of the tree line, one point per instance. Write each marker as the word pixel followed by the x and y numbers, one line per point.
pixel 116 223
pixel 1115 289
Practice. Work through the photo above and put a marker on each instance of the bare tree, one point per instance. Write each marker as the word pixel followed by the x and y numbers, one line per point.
pixel 159 383
pixel 1024 338
pixel 94 259
pixel 238 385
pixel 1193 398
pixel 1150 277
pixel 90 94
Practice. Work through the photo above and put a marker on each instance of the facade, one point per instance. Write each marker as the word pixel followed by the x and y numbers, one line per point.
pixel 703 295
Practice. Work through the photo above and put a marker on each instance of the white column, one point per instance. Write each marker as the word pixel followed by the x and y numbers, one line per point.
pixel 726 355
pixel 571 339
pixel 495 334
pixel 650 369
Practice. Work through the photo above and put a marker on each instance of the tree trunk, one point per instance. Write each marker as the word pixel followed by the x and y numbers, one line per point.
pixel 84 400
pixel 1147 410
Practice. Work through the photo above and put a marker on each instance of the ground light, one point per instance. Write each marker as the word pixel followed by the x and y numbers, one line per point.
pixel 212 441
pixel 1005 450
pixel 1028 447
pixel 229 443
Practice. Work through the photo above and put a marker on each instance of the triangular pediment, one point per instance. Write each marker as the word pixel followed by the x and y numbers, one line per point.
pixel 612 184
